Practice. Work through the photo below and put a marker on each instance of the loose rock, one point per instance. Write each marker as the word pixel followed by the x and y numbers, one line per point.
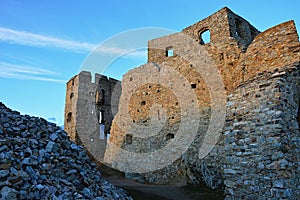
pixel 38 161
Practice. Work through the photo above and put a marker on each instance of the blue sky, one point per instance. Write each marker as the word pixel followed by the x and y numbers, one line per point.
pixel 44 43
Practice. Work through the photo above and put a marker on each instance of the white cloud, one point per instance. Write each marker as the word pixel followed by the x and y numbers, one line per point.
pixel 8 70
pixel 31 39
pixel 36 40
pixel 120 51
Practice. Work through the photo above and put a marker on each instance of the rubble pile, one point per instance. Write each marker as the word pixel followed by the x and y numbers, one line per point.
pixel 38 161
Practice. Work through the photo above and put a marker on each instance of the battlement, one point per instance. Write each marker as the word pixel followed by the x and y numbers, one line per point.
pixel 88 78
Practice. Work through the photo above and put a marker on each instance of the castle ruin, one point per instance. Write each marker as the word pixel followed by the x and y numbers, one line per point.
pixel 176 96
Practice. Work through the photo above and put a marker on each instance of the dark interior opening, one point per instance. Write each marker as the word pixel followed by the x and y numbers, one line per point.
pixel 100 97
pixel 128 139
pixel 193 85
pixel 69 117
pixel 169 136
pixel 71 95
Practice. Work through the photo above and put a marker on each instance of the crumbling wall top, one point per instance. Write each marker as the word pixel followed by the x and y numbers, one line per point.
pixel 87 77
pixel 223 25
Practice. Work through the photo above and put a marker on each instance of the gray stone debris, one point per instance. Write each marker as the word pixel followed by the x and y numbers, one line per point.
pixel 38 161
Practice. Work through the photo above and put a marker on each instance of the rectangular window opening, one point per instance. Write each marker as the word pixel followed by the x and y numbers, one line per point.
pixel 169 52
pixel 128 139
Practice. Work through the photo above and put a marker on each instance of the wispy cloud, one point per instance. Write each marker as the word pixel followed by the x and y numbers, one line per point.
pixel 37 40
pixel 8 70
pixel 31 39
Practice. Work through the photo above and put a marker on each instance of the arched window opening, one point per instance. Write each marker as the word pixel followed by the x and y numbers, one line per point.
pixel 69 117
pixel 204 37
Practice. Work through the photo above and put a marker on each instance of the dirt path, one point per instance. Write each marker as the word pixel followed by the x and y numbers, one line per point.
pixel 141 191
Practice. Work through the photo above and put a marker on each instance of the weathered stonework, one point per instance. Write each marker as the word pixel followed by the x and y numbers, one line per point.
pixel 256 154
pixel 262 137
pixel 85 101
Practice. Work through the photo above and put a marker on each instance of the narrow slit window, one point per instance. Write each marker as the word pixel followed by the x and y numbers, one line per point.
pixel 71 95
pixel 169 52
pixel 69 117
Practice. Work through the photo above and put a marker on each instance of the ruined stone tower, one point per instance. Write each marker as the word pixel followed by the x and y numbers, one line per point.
pixel 90 109
pixel 250 79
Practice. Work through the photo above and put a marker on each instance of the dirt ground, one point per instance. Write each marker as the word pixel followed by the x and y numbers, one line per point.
pixel 141 191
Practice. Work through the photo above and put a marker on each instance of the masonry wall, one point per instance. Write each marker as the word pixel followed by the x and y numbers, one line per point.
pixel 85 100
pixel 262 137
pixel 256 155
pixel 241 54
pixel 70 107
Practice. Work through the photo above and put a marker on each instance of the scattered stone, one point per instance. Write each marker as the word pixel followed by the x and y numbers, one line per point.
pixel 36 163
pixel 50 146
pixel 87 193
pixel 230 171
pixel 74 147
pixel 2 148
pixel 53 136
pixel 278 184
pixel 8 193
pixel 40 187
pixel 4 173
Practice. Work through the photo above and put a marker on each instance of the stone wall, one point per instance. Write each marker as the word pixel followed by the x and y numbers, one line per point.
pixel 175 105
pixel 85 101
pixel 262 137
